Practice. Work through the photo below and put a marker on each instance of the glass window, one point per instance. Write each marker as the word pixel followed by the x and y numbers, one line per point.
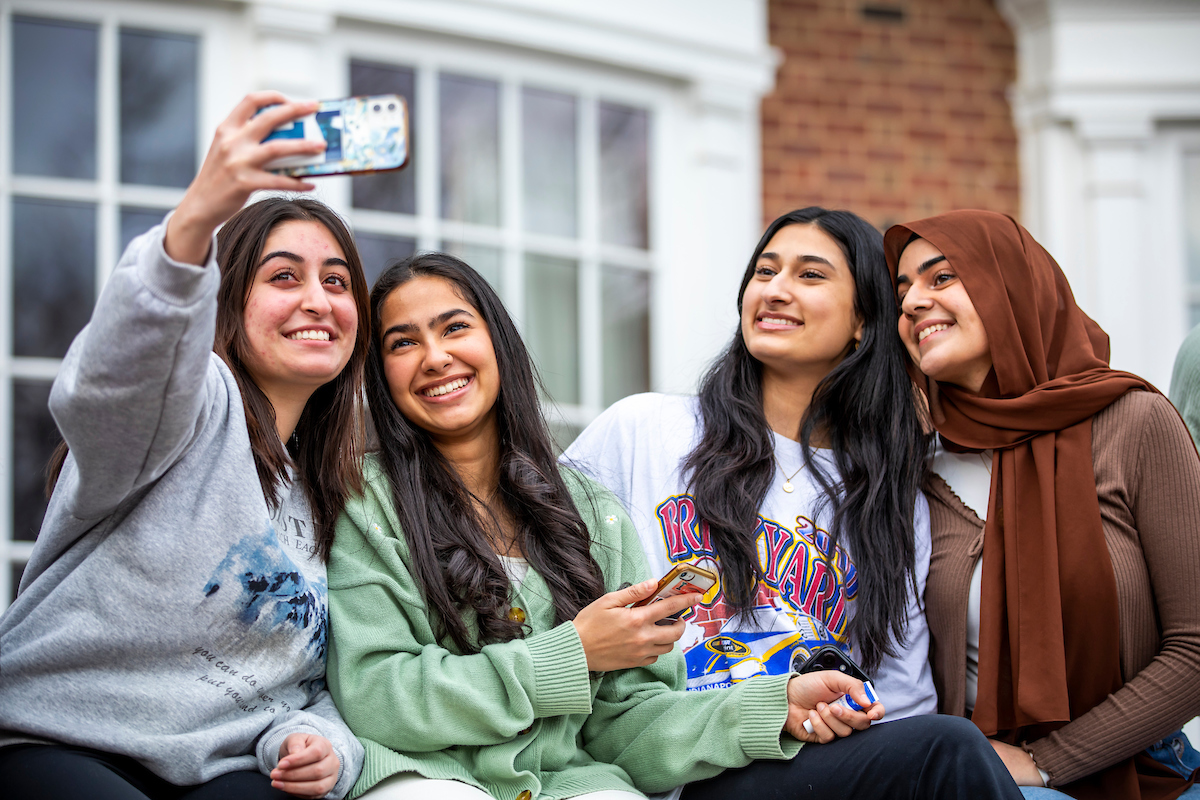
pixel 136 221
pixel 378 251
pixel 396 190
pixel 487 261
pixel 159 107
pixel 17 570
pixel 552 323
pixel 1191 225
pixel 54 98
pixel 53 274
pixel 469 134
pixel 625 338
pixel 549 161
pixel 624 193
pixel 34 439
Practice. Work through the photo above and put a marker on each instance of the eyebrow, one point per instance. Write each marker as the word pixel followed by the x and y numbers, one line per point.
pixel 295 259
pixel 806 258
pixel 921 270
pixel 440 319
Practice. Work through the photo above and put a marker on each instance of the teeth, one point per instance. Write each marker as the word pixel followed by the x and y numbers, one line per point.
pixel 446 388
pixel 931 329
pixel 776 321
pixel 320 336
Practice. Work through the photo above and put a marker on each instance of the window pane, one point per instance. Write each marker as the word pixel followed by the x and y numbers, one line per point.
pixel 1191 225
pixel 54 98
pixel 377 251
pixel 18 569
pixel 552 327
pixel 136 221
pixel 54 274
pixel 395 190
pixel 548 127
pixel 624 143
pixel 469 132
pixel 159 107
pixel 34 439
pixel 625 309
pixel 486 260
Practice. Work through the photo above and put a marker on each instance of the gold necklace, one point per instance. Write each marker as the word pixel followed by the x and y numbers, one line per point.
pixel 787 479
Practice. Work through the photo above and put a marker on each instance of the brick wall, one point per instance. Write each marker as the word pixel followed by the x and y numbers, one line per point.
pixel 894 110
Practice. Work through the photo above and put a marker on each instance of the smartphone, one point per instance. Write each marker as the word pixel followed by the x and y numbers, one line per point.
pixel 361 134
pixel 686 578
pixel 827 657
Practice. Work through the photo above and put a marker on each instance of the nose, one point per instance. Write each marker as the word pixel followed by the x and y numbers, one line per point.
pixel 315 301
pixel 436 358
pixel 915 300
pixel 777 290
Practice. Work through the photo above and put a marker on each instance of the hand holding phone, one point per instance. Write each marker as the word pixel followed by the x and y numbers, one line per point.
pixel 616 635
pixel 812 698
pixel 233 170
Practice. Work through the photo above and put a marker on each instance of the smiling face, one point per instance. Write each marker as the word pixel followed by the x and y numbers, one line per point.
pixel 798 313
pixel 938 324
pixel 439 360
pixel 300 319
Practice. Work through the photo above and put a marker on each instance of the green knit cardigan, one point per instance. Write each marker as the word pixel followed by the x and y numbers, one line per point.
pixel 524 715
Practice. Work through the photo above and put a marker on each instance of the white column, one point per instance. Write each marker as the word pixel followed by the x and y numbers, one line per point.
pixel 1117 243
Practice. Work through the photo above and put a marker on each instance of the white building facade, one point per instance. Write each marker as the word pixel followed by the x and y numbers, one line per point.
pixel 1107 108
pixel 598 162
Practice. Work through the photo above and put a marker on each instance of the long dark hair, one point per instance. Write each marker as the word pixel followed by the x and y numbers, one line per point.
pixel 452 556
pixel 330 436
pixel 864 410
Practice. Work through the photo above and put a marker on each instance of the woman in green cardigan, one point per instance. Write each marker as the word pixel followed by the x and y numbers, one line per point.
pixel 481 643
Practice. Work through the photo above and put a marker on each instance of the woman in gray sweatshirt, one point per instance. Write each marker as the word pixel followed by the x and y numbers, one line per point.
pixel 169 637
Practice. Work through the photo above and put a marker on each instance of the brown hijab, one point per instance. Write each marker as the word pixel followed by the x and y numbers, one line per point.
pixel 1049 640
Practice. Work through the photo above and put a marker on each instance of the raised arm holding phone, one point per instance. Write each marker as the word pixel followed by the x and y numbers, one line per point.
pixel 169 637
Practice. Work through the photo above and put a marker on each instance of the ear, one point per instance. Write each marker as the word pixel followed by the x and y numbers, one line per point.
pixel 858 330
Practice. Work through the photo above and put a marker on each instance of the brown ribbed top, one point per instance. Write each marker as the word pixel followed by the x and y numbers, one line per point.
pixel 1148 487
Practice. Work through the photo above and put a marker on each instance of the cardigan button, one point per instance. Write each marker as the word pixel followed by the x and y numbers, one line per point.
pixel 518 616
pixel 525 795
pixel 527 730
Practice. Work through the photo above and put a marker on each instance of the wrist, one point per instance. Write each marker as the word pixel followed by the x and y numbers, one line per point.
pixel 188 237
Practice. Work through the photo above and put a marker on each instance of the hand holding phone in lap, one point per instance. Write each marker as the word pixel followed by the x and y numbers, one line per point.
pixel 814 713
pixel 616 634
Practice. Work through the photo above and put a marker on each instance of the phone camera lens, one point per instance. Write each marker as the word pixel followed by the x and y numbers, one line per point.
pixel 377 107
pixel 391 106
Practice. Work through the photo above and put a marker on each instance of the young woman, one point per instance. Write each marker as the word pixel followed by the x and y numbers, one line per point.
pixel 169 637
pixel 481 645
pixel 1064 588
pixel 798 467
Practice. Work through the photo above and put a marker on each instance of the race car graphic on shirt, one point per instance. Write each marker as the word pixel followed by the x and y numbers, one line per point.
pixel 803 601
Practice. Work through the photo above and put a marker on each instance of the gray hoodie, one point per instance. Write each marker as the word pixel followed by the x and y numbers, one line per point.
pixel 166 613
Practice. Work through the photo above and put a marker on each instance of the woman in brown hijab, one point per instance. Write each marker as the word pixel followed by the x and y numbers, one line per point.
pixel 1067 625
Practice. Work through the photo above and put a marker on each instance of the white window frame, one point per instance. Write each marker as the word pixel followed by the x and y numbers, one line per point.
pixel 429 56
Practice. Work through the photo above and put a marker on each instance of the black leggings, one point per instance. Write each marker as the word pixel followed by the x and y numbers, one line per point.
pixel 59 772
pixel 920 757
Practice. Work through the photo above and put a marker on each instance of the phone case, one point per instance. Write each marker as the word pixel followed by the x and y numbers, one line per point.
pixel 361 134
pixel 681 579
pixel 828 657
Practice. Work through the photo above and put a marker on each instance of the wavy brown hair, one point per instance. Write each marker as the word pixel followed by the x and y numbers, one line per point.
pixel 330 436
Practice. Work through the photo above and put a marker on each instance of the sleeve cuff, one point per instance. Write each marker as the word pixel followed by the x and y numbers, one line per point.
pixel 560 673
pixel 172 281
pixel 764 707
pixel 272 740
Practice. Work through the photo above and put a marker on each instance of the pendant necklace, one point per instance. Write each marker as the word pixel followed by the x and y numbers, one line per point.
pixel 787 479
